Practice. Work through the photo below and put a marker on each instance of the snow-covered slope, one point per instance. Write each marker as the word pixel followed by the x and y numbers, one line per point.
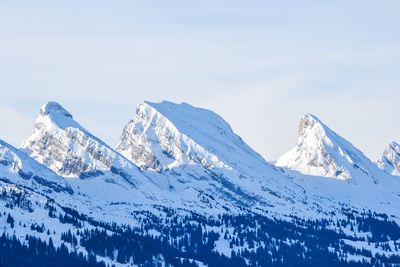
pixel 201 148
pixel 16 167
pixel 181 169
pixel 321 152
pixel 167 135
pixel 195 179
pixel 389 162
pixel 191 159
pixel 63 145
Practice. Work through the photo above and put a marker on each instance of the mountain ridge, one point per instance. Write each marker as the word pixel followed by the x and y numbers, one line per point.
pixel 196 142
pixel 62 144
pixel 181 188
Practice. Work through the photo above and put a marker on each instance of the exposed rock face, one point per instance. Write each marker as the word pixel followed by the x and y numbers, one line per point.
pixel 202 194
pixel 190 158
pixel 389 162
pixel 189 151
pixel 153 142
pixel 199 145
pixel 64 146
pixel 321 152
pixel 25 171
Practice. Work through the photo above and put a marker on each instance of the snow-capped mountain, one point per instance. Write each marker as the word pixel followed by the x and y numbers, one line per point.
pixel 179 139
pixel 389 162
pixel 62 144
pixel 102 179
pixel 322 152
pixel 197 180
pixel 182 189
pixel 167 135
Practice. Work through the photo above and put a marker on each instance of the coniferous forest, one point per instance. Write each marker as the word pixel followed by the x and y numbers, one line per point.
pixel 178 240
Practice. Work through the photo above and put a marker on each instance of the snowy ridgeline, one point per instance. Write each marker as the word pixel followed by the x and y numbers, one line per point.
pixel 182 188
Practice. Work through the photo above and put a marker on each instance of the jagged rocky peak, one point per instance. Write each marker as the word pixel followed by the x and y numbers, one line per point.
pixel 309 121
pixel 63 145
pixel 152 141
pixel 195 148
pixel 166 135
pixel 321 152
pixel 310 155
pixel 54 115
pixel 54 108
pixel 389 162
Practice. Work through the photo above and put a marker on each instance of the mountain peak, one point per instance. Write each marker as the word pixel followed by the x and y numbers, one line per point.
pixel 178 113
pixel 160 136
pixel 197 149
pixel 389 162
pixel 54 108
pixel 165 135
pixel 322 152
pixel 310 118
pixel 53 114
pixel 63 145
pixel 165 104
pixel 311 122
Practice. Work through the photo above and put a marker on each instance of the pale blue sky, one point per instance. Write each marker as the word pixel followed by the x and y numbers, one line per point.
pixel 259 64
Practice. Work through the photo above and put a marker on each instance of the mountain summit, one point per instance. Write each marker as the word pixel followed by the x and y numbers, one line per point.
pixel 158 138
pixel 63 145
pixel 54 109
pixel 322 152
pixel 389 162
pixel 201 148
pixel 167 135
